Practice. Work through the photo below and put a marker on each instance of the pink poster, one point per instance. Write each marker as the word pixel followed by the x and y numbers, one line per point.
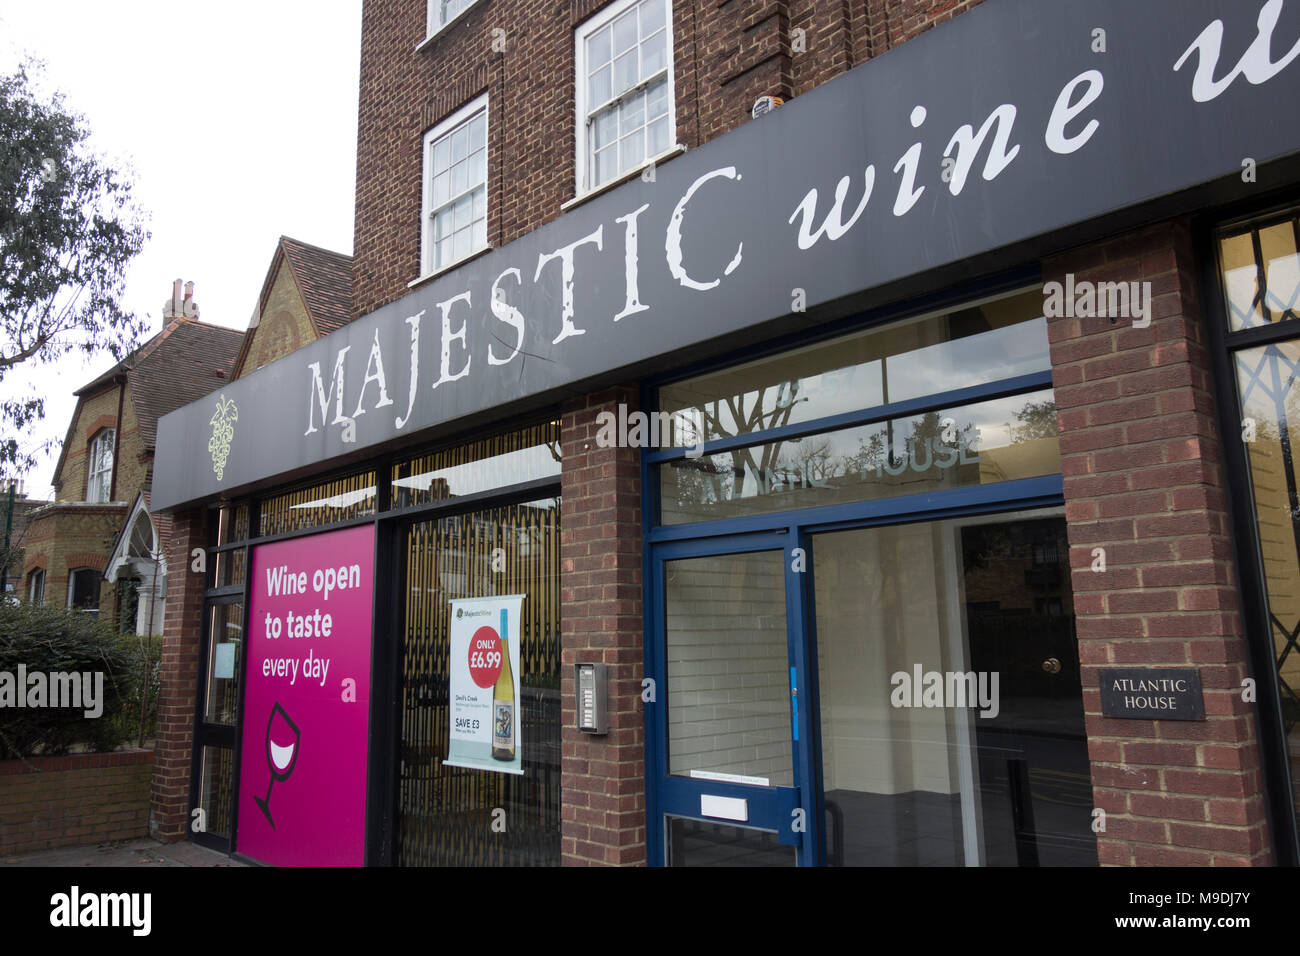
pixel 302 783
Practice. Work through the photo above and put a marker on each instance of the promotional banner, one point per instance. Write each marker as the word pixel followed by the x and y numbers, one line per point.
pixel 302 783
pixel 484 726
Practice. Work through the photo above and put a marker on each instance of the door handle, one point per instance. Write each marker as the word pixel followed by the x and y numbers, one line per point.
pixel 1052 665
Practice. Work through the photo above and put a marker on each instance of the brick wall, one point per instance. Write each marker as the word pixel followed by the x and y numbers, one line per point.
pixel 283 326
pixel 602 777
pixel 1140 460
pixel 726 55
pixel 180 668
pixel 63 537
pixel 48 802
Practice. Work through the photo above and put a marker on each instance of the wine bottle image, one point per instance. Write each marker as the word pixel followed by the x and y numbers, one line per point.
pixel 503 702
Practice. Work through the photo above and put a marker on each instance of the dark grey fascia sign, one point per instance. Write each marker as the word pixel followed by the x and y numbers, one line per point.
pixel 1011 122
pixel 1152 693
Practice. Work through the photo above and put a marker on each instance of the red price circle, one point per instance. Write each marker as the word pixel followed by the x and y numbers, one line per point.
pixel 485 656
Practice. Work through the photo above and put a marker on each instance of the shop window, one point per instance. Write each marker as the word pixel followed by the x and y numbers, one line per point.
pixel 455 188
pixel 624 90
pixel 528 454
pixel 99 480
pixel 445 812
pixel 442 12
pixel 215 795
pixel 981 349
pixel 316 505
pixel 83 590
pixel 1260 273
pixel 224 647
pixel 228 525
pixel 36 587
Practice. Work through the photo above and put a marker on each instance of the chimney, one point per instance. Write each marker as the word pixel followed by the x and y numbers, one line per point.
pixel 181 306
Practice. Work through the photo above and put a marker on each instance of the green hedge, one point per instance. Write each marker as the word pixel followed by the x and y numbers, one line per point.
pixel 48 640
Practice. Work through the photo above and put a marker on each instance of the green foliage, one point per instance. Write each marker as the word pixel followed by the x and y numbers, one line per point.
pixel 51 640
pixel 68 228
pixel 142 695
pixel 1036 420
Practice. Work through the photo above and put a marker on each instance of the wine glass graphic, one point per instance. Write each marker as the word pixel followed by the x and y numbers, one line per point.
pixel 279 757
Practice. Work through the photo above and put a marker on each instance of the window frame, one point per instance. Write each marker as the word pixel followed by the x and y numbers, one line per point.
pixel 92 456
pixel 72 590
pixel 35 594
pixel 433 10
pixel 443 128
pixel 582 115
pixel 1224 343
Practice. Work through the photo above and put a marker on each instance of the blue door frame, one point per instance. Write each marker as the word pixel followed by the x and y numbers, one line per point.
pixel 784 531
pixel 770 808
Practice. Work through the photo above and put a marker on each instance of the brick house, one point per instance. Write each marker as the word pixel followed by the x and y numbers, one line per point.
pixel 105 469
pixel 869 423
pixel 99 530
pixel 307 294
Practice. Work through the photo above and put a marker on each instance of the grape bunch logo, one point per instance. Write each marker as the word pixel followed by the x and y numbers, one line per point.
pixel 223 433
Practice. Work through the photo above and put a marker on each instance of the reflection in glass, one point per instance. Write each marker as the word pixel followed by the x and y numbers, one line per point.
pixel 227 568
pixel 1261 273
pixel 728 668
pixel 319 504
pixel 705 843
pixel 1270 399
pixel 484 465
pixel 978 344
pixel 917 780
pixel 1000 440
pixel 216 787
pixel 225 658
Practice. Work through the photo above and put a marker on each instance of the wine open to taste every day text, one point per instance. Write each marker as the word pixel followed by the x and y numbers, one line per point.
pixel 503 702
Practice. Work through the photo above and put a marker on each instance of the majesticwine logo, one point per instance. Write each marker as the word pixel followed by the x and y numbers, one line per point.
pixel 74 909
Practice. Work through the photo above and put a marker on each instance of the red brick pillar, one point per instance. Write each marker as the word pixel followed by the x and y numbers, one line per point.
pixel 603 777
pixel 1141 464
pixel 168 817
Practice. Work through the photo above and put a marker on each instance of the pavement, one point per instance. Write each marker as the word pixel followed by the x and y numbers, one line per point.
pixel 123 853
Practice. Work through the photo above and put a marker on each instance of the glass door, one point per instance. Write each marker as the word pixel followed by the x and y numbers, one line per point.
pixel 725 727
pixel 950 704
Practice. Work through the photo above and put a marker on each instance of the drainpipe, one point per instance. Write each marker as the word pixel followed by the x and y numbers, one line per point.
pixel 117 437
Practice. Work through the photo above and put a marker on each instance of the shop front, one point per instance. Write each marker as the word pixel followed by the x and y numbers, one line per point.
pixel 864 595
pixel 927 456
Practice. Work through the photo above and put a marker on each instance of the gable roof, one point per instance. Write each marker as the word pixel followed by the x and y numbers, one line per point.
pixel 324 280
pixel 177 366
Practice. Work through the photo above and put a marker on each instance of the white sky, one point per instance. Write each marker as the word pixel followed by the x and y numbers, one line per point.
pixel 240 121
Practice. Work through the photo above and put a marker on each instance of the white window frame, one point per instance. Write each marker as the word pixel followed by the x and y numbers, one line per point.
pixel 36 587
pixel 434 13
pixel 72 581
pixel 91 485
pixel 584 186
pixel 446 126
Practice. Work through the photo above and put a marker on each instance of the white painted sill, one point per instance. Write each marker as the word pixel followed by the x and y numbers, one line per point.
pixel 449 266
pixel 631 174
